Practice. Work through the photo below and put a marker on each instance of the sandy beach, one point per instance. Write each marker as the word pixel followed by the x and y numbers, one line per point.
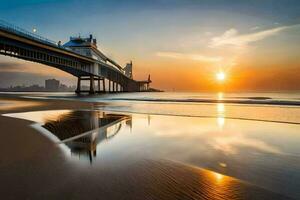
pixel 33 167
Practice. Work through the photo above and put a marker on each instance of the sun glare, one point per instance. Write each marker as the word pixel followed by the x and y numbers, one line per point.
pixel 220 76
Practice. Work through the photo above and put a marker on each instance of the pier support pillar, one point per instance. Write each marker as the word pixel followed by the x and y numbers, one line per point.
pixel 103 84
pixel 109 86
pixel 99 89
pixel 114 89
pixel 78 89
pixel 92 85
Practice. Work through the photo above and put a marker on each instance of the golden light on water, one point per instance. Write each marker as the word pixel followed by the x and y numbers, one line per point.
pixel 221 121
pixel 218 176
pixel 220 114
pixel 220 109
pixel 220 96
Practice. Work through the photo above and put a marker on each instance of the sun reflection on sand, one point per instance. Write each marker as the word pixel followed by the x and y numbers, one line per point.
pixel 221 121
pixel 219 177
pixel 218 181
pixel 220 108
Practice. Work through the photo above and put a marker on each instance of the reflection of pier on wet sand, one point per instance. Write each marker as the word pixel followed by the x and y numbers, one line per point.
pixel 82 131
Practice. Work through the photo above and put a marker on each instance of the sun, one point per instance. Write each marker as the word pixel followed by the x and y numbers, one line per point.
pixel 221 76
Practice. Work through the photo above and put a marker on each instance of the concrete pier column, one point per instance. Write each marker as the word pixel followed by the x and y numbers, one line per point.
pixel 78 86
pixel 99 89
pixel 92 85
pixel 103 84
pixel 114 89
pixel 109 86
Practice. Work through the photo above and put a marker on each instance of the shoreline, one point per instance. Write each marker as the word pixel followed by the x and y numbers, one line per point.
pixel 21 104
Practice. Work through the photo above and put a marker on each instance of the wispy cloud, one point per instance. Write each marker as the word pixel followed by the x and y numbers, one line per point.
pixel 233 38
pixel 30 68
pixel 9 66
pixel 195 57
pixel 231 145
pixel 255 28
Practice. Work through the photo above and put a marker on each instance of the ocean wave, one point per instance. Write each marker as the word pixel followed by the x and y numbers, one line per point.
pixel 251 100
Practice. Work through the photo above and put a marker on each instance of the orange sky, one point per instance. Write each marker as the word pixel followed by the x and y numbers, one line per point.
pixel 184 75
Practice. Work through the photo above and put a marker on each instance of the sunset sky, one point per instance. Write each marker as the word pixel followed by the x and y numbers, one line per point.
pixel 183 44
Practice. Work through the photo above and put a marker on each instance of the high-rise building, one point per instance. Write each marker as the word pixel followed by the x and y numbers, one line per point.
pixel 128 70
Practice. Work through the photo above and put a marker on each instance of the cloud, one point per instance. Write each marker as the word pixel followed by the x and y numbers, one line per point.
pixel 30 68
pixel 208 33
pixel 233 38
pixel 230 145
pixel 28 73
pixel 255 28
pixel 7 66
pixel 195 57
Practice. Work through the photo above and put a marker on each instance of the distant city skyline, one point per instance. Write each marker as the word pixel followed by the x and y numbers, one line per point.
pixel 183 44
pixel 48 85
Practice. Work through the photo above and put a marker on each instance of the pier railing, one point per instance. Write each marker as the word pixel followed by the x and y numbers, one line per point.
pixel 20 31
pixel 11 28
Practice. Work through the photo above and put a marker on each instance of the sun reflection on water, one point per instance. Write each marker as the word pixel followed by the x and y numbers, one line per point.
pixel 218 177
pixel 220 108
pixel 221 121
pixel 221 115
pixel 220 95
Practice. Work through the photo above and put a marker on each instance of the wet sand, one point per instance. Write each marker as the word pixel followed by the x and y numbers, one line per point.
pixel 33 167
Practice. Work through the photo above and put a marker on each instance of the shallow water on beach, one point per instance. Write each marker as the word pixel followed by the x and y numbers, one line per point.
pixel 255 145
pixel 261 98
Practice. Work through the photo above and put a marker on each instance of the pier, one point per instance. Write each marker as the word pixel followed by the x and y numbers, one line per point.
pixel 79 57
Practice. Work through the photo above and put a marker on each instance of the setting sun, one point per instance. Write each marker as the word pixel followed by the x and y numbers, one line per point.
pixel 220 76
